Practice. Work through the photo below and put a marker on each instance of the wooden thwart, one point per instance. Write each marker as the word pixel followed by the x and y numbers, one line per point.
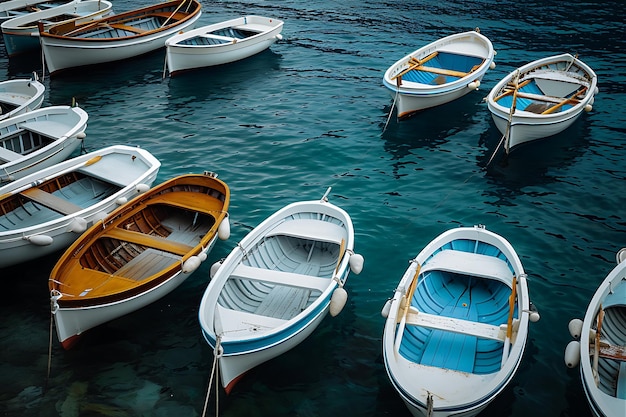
pixel 466 327
pixel 414 63
pixel 612 351
pixel 151 241
pixel 51 201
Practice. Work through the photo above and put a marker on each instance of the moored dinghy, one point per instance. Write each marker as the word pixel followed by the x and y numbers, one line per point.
pixel 117 37
pixel 38 139
pixel 541 98
pixel 457 324
pixel 20 96
pixel 439 72
pixel 221 43
pixel 13 8
pixel 47 210
pixel 21 33
pixel 600 346
pixel 276 286
pixel 138 253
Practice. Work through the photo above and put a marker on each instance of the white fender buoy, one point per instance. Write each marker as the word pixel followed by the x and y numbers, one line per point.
pixel 279 37
pixel 338 301
pixel 474 85
pixel 592 100
pixel 386 309
pixel 214 268
pixel 534 316
pixel 356 263
pixel 493 64
pixel 121 201
pixel 572 354
pixel 142 188
pixel 597 91
pixel 223 230
pixel 40 240
pixel 575 328
pixel 620 256
pixel 588 107
pixel 77 225
pixel 191 264
pixel 81 135
pixel 202 256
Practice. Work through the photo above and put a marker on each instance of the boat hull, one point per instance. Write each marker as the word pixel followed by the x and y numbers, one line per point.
pixel 183 53
pixel 448 69
pixel 63 125
pixel 24 243
pixel 64 52
pixel 21 34
pixel 73 322
pixel 291 267
pixel 20 96
pixel 603 397
pixel 449 353
pixel 553 93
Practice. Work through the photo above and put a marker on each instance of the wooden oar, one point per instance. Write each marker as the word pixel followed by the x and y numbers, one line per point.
pixel 407 303
pixel 174 12
pixel 565 101
pixel 509 322
pixel 342 251
pixel 509 92
pixel 414 63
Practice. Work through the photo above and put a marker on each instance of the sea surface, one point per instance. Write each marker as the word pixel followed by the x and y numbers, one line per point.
pixel 308 114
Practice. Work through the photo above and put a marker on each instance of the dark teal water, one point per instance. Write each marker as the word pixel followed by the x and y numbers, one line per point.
pixel 308 114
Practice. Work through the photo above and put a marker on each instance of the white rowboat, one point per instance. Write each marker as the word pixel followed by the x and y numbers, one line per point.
pixel 21 33
pixel 600 346
pixel 456 327
pixel 439 72
pixel 275 287
pixel 38 139
pixel 20 96
pixel 541 99
pixel 221 43
pixel 46 211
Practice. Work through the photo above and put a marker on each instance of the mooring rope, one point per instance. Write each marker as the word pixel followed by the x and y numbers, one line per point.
pixel 391 110
pixel 45 388
pixel 214 373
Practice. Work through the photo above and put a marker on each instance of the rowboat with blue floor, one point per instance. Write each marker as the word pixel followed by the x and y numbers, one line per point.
pixel 541 98
pixel 138 253
pixel 46 211
pixel 276 286
pixel 221 43
pixel 38 139
pixel 20 95
pixel 439 72
pixel 599 350
pixel 457 325
pixel 116 37
pixel 21 33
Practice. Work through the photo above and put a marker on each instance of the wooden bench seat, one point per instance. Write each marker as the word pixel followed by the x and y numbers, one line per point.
pixel 156 242
pixel 466 327
pixel 281 278
pixel 128 28
pixel 47 128
pixel 51 201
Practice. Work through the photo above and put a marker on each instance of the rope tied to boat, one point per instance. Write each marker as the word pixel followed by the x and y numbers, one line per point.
pixel 217 353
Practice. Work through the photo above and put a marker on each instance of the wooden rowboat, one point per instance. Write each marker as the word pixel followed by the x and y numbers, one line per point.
pixel 457 325
pixel 117 37
pixel 21 33
pixel 277 285
pixel 221 43
pixel 46 211
pixel 138 253
pixel 439 72
pixel 541 99
pixel 599 350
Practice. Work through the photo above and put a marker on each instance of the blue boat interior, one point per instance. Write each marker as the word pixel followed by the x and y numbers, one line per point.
pixel 612 372
pixel 527 104
pixel 229 32
pixel 447 61
pixel 462 297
